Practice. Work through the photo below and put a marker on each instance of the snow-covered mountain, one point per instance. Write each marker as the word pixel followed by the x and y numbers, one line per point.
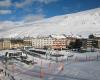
pixel 81 23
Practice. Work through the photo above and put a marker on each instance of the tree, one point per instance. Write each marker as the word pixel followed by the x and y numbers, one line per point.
pixel 71 45
pixel 91 36
pixel 78 44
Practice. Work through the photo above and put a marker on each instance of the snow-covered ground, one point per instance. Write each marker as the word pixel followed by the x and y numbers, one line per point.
pixel 80 71
pixel 51 70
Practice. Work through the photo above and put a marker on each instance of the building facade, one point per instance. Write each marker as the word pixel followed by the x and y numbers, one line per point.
pixel 1 44
pixel 27 41
pixel 7 43
pixel 59 43
pixel 17 43
pixel 42 42
pixel 53 42
pixel 48 42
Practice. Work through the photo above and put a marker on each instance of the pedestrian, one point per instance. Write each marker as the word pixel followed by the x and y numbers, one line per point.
pixel 5 73
pixel 13 78
pixel 8 74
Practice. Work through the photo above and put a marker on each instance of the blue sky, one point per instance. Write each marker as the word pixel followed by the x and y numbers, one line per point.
pixel 18 10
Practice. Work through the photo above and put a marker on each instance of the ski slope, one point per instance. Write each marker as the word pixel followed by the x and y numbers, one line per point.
pixel 81 23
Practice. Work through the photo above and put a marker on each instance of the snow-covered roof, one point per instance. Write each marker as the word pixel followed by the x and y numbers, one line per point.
pixel 58 36
pixel 74 36
pixel 96 35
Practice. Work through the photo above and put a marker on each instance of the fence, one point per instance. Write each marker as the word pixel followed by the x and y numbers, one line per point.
pixel 84 59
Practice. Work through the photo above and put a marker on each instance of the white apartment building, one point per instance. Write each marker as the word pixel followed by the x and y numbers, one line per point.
pixel 42 42
pixel 51 41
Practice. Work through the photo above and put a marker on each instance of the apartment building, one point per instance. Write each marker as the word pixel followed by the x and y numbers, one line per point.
pixel 52 41
pixel 27 41
pixel 7 43
pixel 1 44
pixel 42 42
pixel 59 43
pixel 17 43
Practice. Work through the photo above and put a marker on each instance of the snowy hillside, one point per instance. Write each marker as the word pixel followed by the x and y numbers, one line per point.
pixel 81 23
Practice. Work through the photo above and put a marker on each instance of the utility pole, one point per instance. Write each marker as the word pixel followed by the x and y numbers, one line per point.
pixel 6 60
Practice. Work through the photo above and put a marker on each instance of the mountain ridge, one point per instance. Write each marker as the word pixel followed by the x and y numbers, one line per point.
pixel 81 23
